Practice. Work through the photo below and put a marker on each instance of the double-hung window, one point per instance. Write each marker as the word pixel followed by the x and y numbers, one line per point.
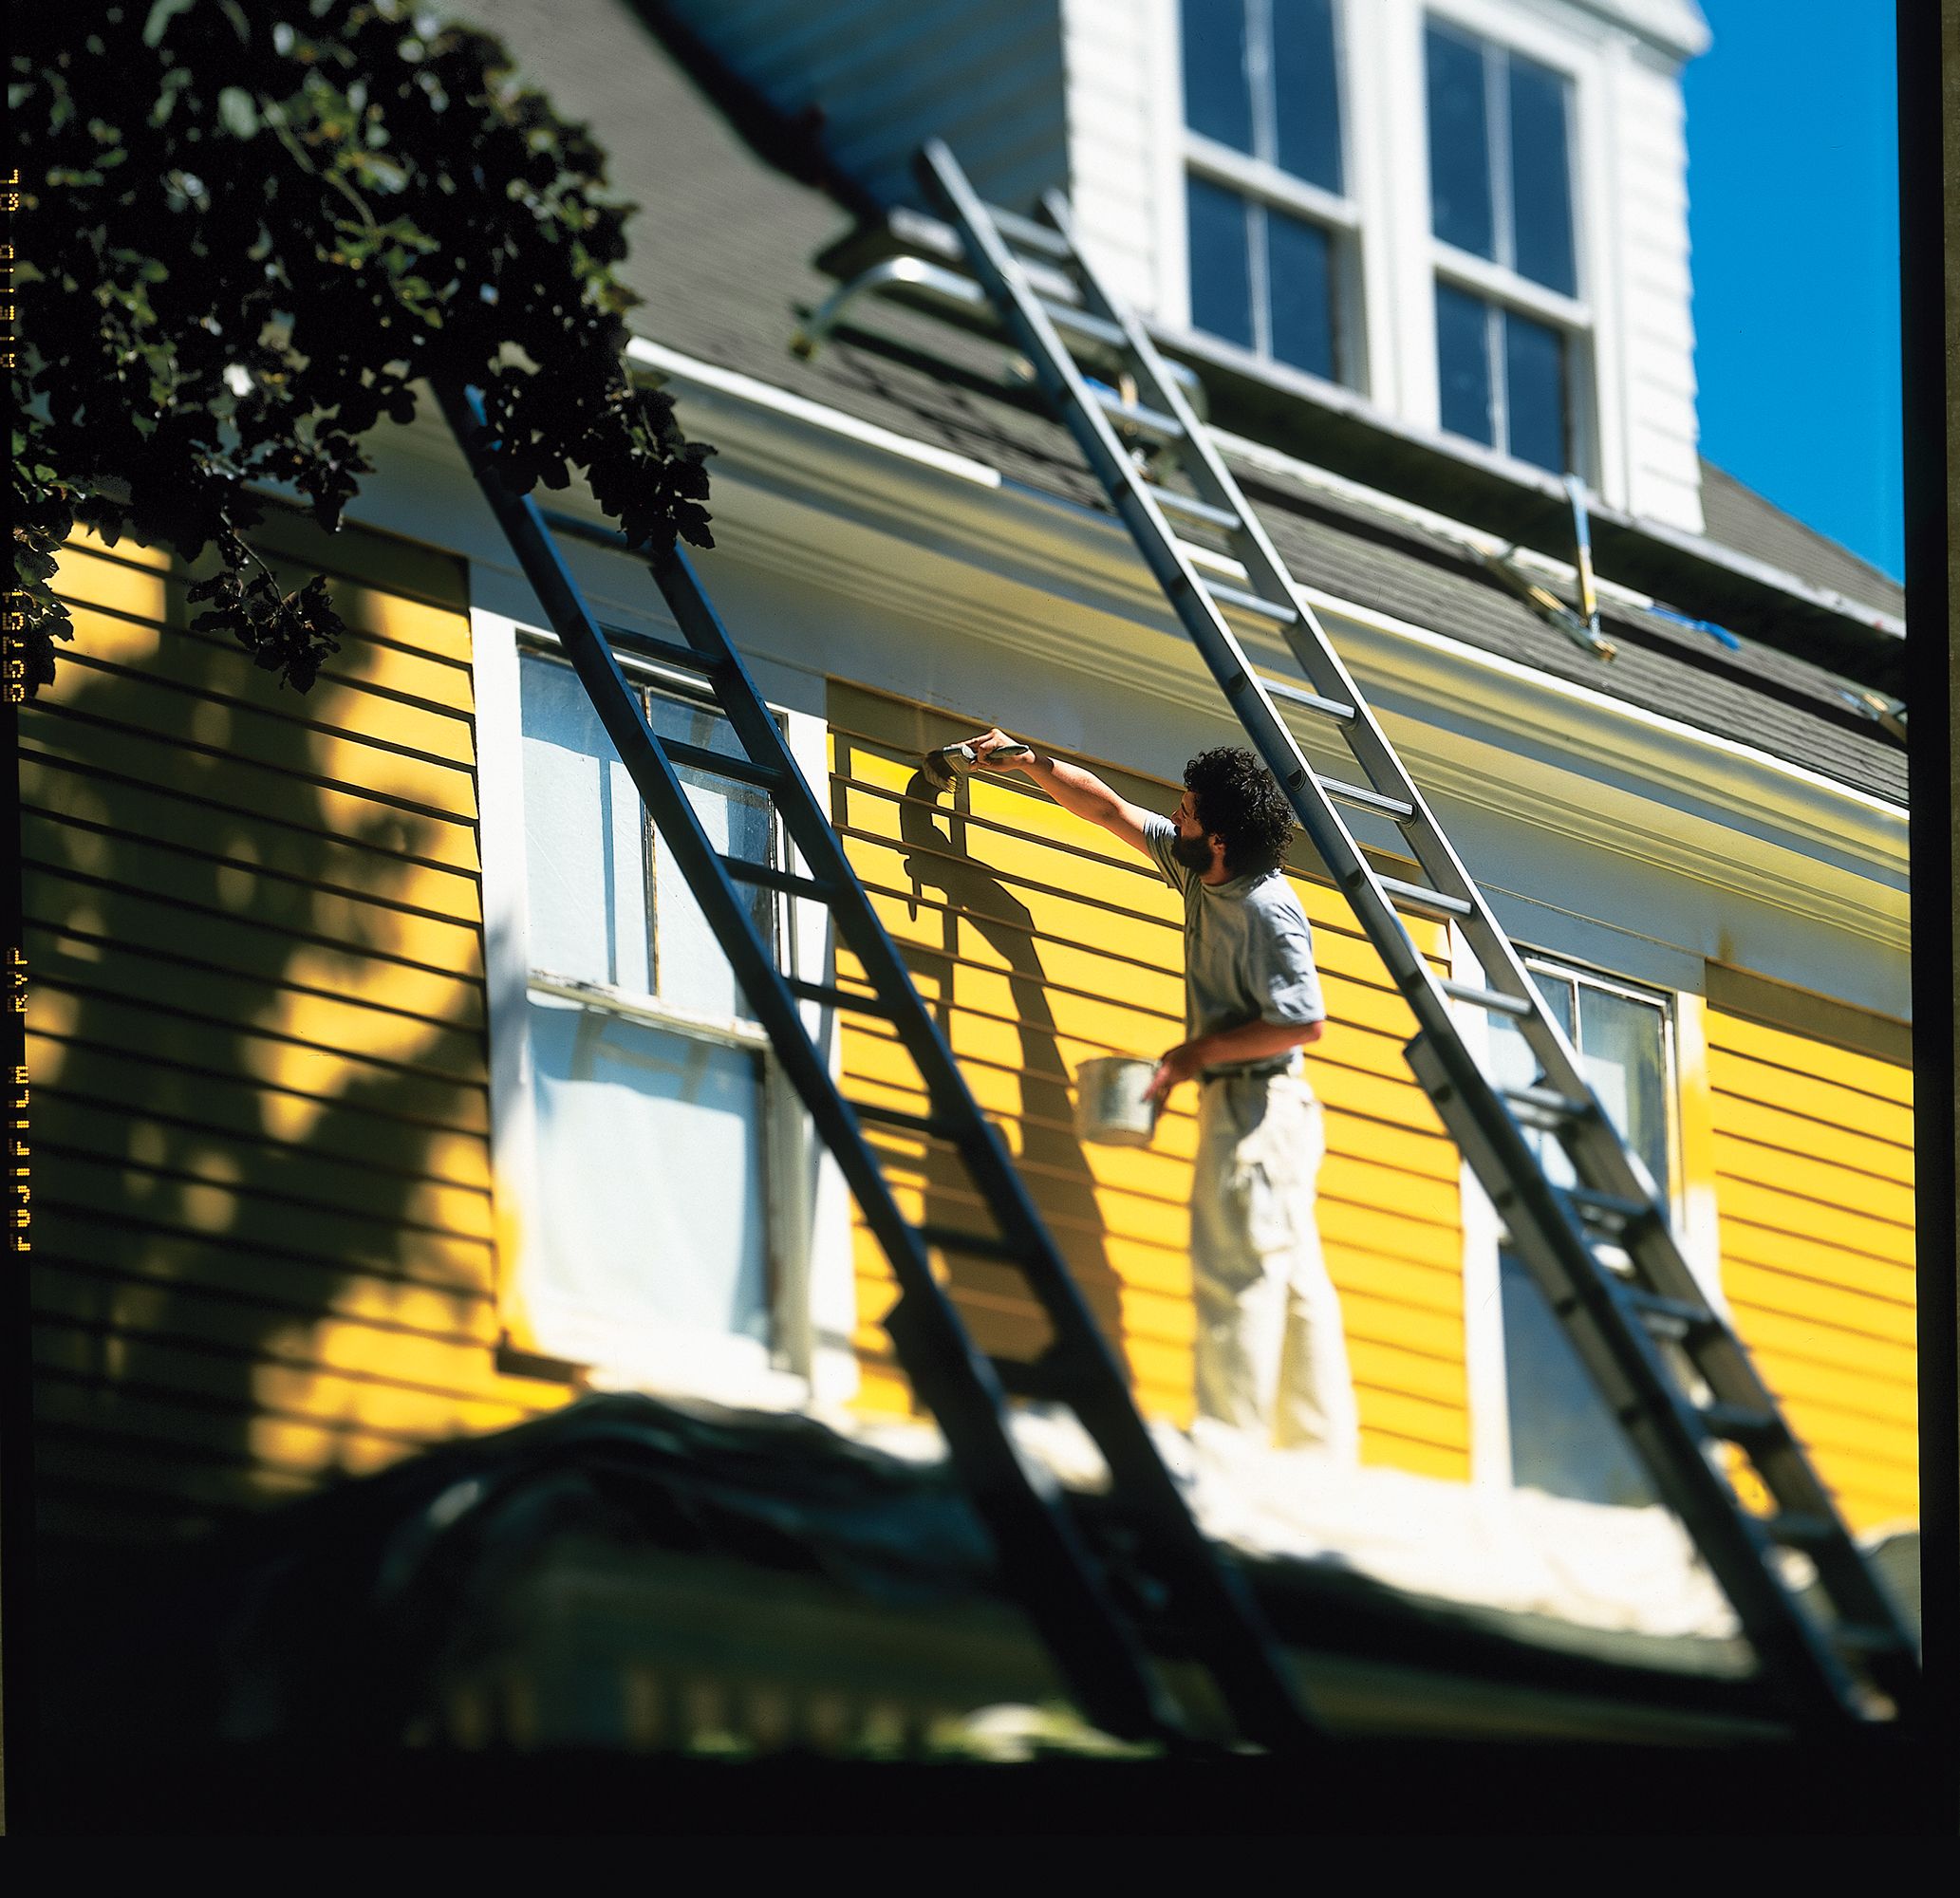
pixel 651 1086
pixel 1268 223
pixel 1563 1438
pixel 1510 327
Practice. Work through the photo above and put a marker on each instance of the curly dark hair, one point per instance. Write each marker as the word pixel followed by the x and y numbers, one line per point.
pixel 1234 797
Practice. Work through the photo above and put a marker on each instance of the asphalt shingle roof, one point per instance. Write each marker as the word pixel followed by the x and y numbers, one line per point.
pixel 723 244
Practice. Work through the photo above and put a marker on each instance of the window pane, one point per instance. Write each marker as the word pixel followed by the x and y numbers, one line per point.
pixel 633 1122
pixel 585 860
pixel 1535 393
pixel 1563 1438
pixel 689 967
pixel 1459 144
pixel 1221 279
pixel 1217 98
pixel 1462 364
pixel 1623 1051
pixel 1540 179
pixel 1306 94
pixel 1299 279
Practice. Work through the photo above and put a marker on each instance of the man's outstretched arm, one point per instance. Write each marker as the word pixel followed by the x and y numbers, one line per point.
pixel 1079 793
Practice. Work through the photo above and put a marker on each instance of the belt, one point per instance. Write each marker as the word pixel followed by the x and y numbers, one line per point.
pixel 1260 1072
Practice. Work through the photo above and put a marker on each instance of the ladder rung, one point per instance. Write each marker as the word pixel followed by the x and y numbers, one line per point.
pixel 788 881
pixel 1148 420
pixel 981 1245
pixel 1485 999
pixel 1079 323
pixel 1222 518
pixel 1049 1376
pixel 1367 800
pixel 835 998
pixel 1420 895
pixel 1792 1529
pixel 1307 701
pixel 1548 1100
pixel 746 770
pixel 1667 1317
pixel 1028 234
pixel 897 1117
pixel 1242 602
pixel 1604 1206
pixel 669 652
pixel 1738 1424
pixel 1863 1638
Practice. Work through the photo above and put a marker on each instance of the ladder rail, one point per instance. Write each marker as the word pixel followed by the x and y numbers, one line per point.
pixel 1040 1547
pixel 1676 1436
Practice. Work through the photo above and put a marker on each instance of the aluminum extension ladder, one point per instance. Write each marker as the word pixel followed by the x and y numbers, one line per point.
pixel 1667 1364
pixel 1170 1593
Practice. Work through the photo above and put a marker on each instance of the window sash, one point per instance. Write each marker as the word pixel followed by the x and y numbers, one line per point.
pixel 1279 45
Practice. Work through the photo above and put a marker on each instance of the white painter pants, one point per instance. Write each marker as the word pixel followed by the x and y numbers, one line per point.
pixel 1270 1357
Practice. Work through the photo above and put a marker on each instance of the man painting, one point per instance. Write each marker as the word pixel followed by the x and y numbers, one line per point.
pixel 1270 1357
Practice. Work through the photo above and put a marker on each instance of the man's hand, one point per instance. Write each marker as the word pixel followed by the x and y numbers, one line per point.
pixel 997 740
pixel 1180 1064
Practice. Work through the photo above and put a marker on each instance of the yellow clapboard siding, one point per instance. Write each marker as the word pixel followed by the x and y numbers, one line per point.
pixel 131 1475
pixel 373 650
pixel 1803 1057
pixel 114 1136
pixel 1743 1078
pixel 296 1066
pixel 133 1312
pixel 126 699
pixel 371 1399
pixel 1810 1142
pixel 1825 1265
pixel 283 1288
pixel 1446 1464
pixel 1830 1305
pixel 243 1213
pixel 258 1443
pixel 247 838
pixel 234 1103
pixel 105 867
pixel 1743 1195
pixel 1793 1380
pixel 328 817
pixel 94 925
pixel 327 1021
pixel 1389 1416
pixel 1768 1334
pixel 362 699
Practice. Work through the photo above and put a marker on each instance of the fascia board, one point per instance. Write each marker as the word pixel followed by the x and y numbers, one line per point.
pixel 789 459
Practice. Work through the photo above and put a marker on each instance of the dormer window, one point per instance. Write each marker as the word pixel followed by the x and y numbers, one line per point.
pixel 1510 328
pixel 1270 229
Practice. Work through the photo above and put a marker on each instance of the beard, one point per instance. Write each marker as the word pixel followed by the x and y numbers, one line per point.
pixel 1194 853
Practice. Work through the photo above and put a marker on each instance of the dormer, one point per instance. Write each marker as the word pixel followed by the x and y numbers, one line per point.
pixel 1467 216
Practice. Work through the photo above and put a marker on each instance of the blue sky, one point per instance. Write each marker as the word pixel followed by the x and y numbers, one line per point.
pixel 1793 211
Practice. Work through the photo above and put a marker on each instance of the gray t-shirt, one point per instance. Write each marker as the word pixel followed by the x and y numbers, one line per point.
pixel 1248 950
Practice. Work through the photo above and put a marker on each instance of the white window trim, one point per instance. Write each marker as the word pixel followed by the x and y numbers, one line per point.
pixel 1338 214
pixel 811 1361
pixel 1588 319
pixel 1487 1373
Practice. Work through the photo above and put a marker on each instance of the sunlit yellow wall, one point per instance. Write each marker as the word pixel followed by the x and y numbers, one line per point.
pixel 1814 1179
pixel 262 1237
pixel 1045 945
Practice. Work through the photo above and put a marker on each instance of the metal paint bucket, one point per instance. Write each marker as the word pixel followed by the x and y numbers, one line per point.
pixel 1110 1105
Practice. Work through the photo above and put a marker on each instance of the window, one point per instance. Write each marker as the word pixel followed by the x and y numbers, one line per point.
pixel 1508 319
pixel 1563 1439
pixel 1269 227
pixel 649 1087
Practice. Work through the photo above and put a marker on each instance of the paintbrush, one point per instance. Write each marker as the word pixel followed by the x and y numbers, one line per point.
pixel 942 765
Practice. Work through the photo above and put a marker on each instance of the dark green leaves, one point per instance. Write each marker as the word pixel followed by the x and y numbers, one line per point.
pixel 267 223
